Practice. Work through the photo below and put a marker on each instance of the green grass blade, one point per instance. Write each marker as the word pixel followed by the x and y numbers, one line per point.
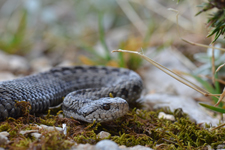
pixel 205 84
pixel 217 85
pixel 102 36
pixel 217 109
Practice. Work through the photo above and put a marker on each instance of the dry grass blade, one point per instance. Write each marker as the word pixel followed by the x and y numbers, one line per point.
pixel 218 69
pixel 170 73
pixel 213 65
pixel 221 98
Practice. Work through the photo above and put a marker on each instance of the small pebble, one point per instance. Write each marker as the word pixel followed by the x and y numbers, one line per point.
pixel 84 147
pixel 28 131
pixel 103 134
pixel 54 128
pixel 64 128
pixel 139 147
pixel 50 128
pixel 3 139
pixel 166 116
pixel 5 133
pixel 36 135
pixel 43 126
pixel 123 147
pixel 106 145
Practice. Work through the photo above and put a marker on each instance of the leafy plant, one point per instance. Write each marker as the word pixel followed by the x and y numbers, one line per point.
pixel 216 20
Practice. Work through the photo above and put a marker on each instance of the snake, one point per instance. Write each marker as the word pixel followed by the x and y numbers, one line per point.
pixel 87 93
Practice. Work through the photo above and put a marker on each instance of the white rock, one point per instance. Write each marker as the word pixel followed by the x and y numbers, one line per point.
pixel 84 147
pixel 5 133
pixel 166 116
pixel 64 129
pixel 3 139
pixel 59 129
pixel 50 128
pixel 28 131
pixel 106 145
pixel 103 134
pixel 54 128
pixel 43 126
pixel 123 147
pixel 13 62
pixel 36 135
pixel 139 147
pixel 187 104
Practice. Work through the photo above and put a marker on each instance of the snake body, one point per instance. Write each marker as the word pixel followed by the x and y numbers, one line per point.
pixel 92 92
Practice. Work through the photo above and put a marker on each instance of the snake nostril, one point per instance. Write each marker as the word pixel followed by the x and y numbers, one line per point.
pixel 106 106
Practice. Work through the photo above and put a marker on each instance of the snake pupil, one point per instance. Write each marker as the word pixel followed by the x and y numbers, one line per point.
pixel 106 106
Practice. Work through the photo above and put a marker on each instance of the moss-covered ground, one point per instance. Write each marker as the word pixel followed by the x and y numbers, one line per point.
pixel 138 127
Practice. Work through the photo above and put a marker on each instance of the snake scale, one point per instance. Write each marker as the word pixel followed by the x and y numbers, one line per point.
pixel 92 92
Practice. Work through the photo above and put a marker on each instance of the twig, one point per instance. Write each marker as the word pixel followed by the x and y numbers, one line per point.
pixel 213 66
pixel 220 67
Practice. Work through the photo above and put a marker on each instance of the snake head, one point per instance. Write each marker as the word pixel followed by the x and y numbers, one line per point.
pixel 101 110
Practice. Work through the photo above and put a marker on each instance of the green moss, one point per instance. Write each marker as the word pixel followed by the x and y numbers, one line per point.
pixel 23 144
pixel 138 127
pixel 49 122
pixel 131 140
pixel 4 126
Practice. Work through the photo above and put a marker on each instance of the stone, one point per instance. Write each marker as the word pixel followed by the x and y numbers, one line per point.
pixel 106 145
pixel 84 147
pixel 64 129
pixel 166 116
pixel 28 131
pixel 103 134
pixel 139 147
pixel 36 135
pixel 5 133
pixel 3 139
pixel 50 128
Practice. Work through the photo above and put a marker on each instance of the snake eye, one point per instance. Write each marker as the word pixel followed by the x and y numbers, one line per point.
pixel 106 106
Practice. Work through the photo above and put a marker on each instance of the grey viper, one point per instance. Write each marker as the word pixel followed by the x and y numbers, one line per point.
pixel 92 93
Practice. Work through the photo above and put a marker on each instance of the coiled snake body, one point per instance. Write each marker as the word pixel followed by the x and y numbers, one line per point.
pixel 93 92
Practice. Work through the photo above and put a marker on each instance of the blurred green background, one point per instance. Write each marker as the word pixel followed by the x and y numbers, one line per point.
pixel 84 32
